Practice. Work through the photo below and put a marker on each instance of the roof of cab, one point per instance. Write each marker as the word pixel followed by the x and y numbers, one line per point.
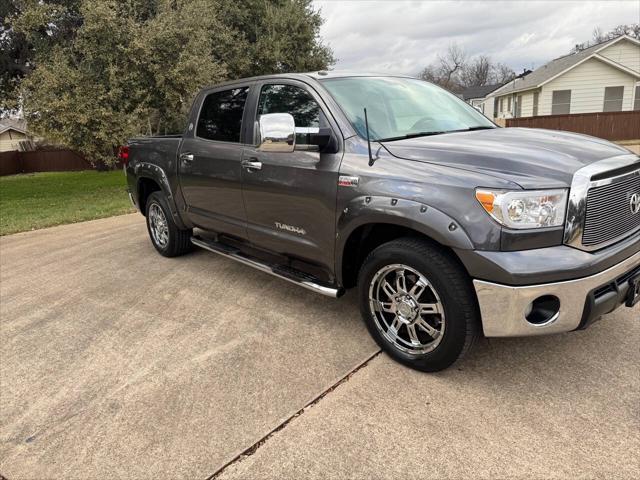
pixel 318 75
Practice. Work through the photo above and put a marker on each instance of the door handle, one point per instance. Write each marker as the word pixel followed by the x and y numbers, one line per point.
pixel 186 157
pixel 252 164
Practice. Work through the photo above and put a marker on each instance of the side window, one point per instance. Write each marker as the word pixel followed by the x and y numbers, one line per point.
pixel 560 102
pixel 221 115
pixel 296 101
pixel 613 99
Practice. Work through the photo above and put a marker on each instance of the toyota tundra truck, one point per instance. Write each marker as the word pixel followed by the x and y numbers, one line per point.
pixel 449 226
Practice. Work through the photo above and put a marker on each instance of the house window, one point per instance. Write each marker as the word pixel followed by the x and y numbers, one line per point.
pixel 502 104
pixel 509 104
pixel 561 102
pixel 535 103
pixel 613 99
pixel 636 102
pixel 518 106
pixel 495 107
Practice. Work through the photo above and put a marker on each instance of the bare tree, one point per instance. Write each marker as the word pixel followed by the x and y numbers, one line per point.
pixel 502 73
pixel 478 71
pixel 598 36
pixel 455 71
pixel 447 70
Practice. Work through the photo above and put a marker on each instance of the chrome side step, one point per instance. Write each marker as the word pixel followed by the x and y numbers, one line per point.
pixel 286 273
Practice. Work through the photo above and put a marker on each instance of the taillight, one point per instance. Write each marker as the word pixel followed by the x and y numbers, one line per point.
pixel 123 154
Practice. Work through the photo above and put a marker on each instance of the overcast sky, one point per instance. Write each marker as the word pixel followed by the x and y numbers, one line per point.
pixel 405 36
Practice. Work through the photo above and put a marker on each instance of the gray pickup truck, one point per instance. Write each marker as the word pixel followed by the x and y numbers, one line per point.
pixel 449 226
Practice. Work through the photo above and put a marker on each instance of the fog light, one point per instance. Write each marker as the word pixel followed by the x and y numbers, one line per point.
pixel 543 310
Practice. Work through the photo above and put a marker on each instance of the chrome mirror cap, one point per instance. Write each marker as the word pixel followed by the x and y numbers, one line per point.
pixel 277 133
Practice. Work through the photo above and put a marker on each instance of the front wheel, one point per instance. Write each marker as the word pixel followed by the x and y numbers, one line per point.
pixel 167 238
pixel 418 304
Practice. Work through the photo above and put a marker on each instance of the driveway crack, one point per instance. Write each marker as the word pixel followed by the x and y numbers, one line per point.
pixel 254 447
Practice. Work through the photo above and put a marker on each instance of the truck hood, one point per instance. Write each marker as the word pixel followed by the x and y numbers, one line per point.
pixel 532 158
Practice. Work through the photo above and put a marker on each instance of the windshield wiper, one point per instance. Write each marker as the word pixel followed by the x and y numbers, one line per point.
pixel 471 129
pixel 427 134
pixel 409 135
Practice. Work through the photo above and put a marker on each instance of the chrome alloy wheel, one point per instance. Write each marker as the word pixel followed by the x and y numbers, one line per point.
pixel 407 309
pixel 158 225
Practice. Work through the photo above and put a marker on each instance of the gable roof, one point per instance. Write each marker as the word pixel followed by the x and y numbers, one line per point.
pixel 479 91
pixel 13 124
pixel 560 65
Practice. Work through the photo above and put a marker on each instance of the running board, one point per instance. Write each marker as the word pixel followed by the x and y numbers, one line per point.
pixel 284 272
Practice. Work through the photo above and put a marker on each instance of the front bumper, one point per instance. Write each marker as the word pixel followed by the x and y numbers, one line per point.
pixel 503 307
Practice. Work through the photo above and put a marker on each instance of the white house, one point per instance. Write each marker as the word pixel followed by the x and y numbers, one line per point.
pixel 476 95
pixel 12 132
pixel 602 78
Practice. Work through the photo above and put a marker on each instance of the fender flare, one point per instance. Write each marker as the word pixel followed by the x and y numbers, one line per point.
pixel 418 216
pixel 159 176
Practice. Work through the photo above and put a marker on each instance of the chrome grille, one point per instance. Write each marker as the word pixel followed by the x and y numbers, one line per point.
pixel 608 212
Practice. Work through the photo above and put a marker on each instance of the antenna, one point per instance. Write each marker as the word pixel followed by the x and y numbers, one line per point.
pixel 366 127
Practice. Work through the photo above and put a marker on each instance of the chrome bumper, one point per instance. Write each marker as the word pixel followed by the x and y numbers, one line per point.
pixel 503 307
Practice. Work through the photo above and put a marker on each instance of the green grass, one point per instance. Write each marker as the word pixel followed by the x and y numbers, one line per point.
pixel 39 200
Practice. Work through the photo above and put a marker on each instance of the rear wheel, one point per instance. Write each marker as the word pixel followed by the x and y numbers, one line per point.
pixel 166 237
pixel 418 304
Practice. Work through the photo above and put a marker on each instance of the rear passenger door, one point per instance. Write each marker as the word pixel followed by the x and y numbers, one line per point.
pixel 209 162
pixel 291 199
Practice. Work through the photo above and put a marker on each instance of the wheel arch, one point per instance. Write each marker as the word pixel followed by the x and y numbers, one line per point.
pixel 369 222
pixel 152 178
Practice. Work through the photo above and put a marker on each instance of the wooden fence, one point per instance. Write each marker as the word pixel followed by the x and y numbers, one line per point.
pixel 607 125
pixel 42 161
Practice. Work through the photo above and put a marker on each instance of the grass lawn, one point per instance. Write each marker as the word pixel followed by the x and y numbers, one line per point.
pixel 40 200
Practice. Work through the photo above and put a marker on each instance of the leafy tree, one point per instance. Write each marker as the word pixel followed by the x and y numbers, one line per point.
pixel 273 37
pixel 128 67
pixel 27 27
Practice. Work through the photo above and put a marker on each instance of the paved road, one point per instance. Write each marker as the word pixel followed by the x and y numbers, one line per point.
pixel 116 362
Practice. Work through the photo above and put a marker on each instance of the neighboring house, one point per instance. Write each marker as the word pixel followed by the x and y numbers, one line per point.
pixel 11 133
pixel 601 78
pixel 475 96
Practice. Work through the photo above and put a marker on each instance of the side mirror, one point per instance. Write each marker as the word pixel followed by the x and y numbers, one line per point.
pixel 277 133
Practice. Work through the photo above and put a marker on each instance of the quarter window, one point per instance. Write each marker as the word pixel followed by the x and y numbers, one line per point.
pixel 613 99
pixel 561 102
pixel 221 115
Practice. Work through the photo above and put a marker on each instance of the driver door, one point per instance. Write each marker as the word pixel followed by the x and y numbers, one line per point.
pixel 290 200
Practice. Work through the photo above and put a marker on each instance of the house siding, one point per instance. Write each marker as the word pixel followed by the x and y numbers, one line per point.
pixel 587 83
pixel 10 139
pixel 625 53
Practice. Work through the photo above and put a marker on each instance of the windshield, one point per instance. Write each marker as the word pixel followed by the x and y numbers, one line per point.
pixel 402 107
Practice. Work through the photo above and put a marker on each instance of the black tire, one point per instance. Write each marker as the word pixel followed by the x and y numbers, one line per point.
pixel 450 289
pixel 177 241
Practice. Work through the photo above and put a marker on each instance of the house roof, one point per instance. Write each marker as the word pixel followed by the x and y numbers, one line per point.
pixel 479 91
pixel 560 65
pixel 13 124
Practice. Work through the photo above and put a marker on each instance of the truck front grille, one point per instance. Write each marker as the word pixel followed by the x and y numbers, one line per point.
pixel 610 212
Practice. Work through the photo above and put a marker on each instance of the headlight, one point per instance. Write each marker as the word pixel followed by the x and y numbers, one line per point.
pixel 525 208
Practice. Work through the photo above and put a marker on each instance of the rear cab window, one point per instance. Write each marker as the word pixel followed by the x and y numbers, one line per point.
pixel 221 115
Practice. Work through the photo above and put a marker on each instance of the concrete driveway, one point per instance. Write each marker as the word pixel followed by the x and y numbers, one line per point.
pixel 119 363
